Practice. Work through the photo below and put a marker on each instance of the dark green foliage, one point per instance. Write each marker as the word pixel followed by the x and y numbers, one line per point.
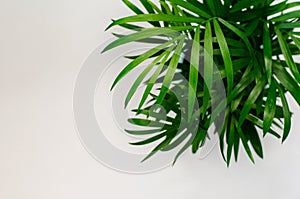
pixel 252 44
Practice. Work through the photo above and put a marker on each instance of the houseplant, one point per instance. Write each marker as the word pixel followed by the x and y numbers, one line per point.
pixel 252 44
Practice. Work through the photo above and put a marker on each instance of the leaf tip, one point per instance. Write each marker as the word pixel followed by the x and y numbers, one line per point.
pixel 110 25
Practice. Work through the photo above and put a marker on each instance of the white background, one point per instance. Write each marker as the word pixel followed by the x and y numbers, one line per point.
pixel 42 47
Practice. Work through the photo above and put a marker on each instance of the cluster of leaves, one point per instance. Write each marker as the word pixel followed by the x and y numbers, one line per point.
pixel 252 44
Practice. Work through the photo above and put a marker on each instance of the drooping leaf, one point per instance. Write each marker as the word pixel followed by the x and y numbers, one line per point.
pixel 225 54
pixel 194 70
pixel 252 135
pixel 141 77
pixel 171 71
pixel 251 100
pixel 230 134
pixel 288 82
pixel 270 109
pixel 141 59
pixel 287 55
pixel 244 141
pixel 286 113
pixel 208 66
pixel 267 46
pixel 154 78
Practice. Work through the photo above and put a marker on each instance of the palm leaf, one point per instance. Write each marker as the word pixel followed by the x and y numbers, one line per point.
pixel 250 45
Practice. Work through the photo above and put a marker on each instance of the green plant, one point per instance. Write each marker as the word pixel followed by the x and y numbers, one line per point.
pixel 252 43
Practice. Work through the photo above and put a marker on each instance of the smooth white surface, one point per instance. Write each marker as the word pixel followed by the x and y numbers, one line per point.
pixel 42 47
